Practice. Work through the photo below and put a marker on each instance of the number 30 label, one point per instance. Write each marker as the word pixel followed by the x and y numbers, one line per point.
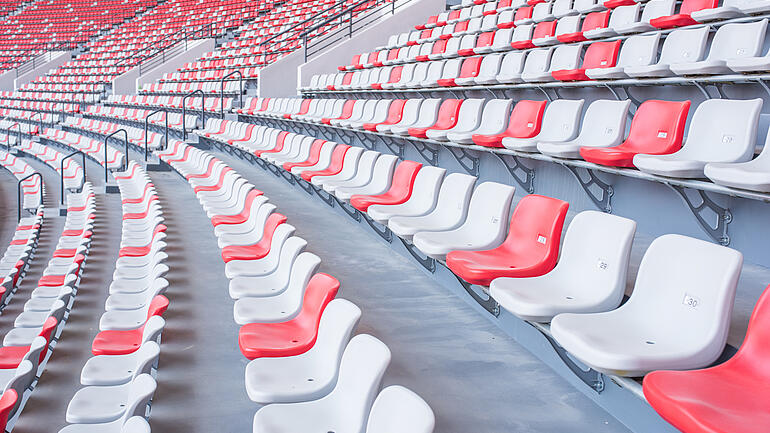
pixel 691 301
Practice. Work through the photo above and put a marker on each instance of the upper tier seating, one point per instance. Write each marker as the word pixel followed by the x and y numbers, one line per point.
pixel 598 247
pixel 689 284
pixel 727 397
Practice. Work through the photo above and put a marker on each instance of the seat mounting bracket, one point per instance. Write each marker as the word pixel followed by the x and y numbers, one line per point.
pixel 428 152
pixel 324 196
pixel 601 198
pixel 394 145
pixel 466 158
pixel 286 175
pixel 350 210
pixel 381 230
pixel 590 377
pixel 716 230
pixel 305 185
pixel 427 262
pixel 480 296
pixel 514 166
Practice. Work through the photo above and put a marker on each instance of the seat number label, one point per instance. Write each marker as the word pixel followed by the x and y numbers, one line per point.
pixel 691 301
pixel 662 134
pixel 541 239
pixel 602 264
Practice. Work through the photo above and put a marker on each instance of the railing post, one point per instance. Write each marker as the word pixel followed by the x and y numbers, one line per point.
pixel 146 124
pixel 222 92
pixel 184 110
pixel 40 120
pixel 18 134
pixel 62 170
pixel 125 137
pixel 19 190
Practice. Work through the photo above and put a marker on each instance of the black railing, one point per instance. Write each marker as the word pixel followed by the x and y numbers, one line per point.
pixel 18 135
pixel 146 127
pixel 61 172
pixel 125 156
pixel 20 196
pixel 163 47
pixel 26 64
pixel 184 110
pixel 222 93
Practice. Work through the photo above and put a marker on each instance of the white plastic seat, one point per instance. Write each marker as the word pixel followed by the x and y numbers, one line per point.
pixel 483 229
pixel 426 117
pixel 108 370
pixel 603 125
pixel 511 68
pixel 731 41
pixel 493 120
pixel 267 264
pixel 637 50
pixel 586 6
pixel 31 358
pixel 565 57
pixel 536 65
pixel 731 9
pixel 433 74
pixel 422 200
pixel 688 286
pixel 283 304
pixel 346 407
pixel 269 279
pixel 349 166
pixel 621 16
pixel 753 175
pixel 102 404
pixel 468 118
pixel 562 8
pixel 361 176
pixel 409 115
pixel 310 375
pixel 399 410
pixel 488 70
pixel 680 46
pixel 502 41
pixel 377 114
pixel 561 122
pixel 652 9
pixel 590 276
pixel 377 181
pixel 721 131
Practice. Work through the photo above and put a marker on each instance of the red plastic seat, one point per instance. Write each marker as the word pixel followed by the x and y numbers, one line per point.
pixel 612 4
pixel 259 249
pixel 522 13
pixel 11 356
pixel 279 141
pixel 297 335
pixel 124 342
pixel 144 213
pixel 335 166
pixel 352 62
pixel 446 118
pixel 439 47
pixel 145 249
pixel 728 398
pixel 399 192
pixel 683 17
pixel 312 158
pixel 394 77
pixel 524 122
pixel 542 30
pixel 242 216
pixel 530 249
pixel 598 55
pixel 657 129
pixel 217 185
pixel 592 21
pixel 395 111
pixel 470 68
pixel 431 20
pixel 303 109
pixel 347 111
pixel 7 403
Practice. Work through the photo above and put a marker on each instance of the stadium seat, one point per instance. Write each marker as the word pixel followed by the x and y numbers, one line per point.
pixel 597 246
pixel 683 17
pixel 287 379
pixel 109 370
pixel 421 201
pixel 689 284
pixel 721 131
pixel 530 249
pixel 397 409
pixel 104 404
pixel 125 342
pixel 731 42
pixel 753 175
pixel 483 229
pixel 400 188
pixel 657 129
pixel 369 181
pixel 637 50
pixel 525 121
pixel 653 9
pixel 728 397
pixel 295 336
pixel 346 407
pixel 559 123
pixel 680 46
pixel 730 9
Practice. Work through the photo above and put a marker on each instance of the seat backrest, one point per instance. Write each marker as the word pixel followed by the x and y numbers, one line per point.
pixel 7 403
pixel 690 285
pixel 596 20
pixel 535 229
pixel 158 306
pixel 494 116
pixel 624 15
pixel 21 380
pixel 526 119
pixel 146 357
pixel 565 57
pixel 398 409
pixel 470 67
pixel 302 271
pixel 140 393
pixel 361 369
pixel 544 30
pixel 537 61
pixel 738 40
pixel 723 130
pixel 136 424
pixel 451 68
pixel 337 324
pixel 597 246
pixel 490 205
pixel 753 355
pixel 656 9
pixel 434 71
pixel 690 6
pixel 522 33
pixel 561 120
pixel 561 8
pixel 513 62
pixel 152 328
pixel 541 11
pixel 320 290
pixel 503 38
pixel 657 127
pixel 568 24
pixel 601 55
pixel 639 50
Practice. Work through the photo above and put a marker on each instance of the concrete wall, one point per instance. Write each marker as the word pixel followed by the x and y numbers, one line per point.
pixel 284 76
pixel 45 62
pixel 131 81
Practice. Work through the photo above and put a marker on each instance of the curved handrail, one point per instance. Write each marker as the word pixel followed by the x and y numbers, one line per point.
pixel 222 92
pixel 20 202
pixel 18 135
pixel 146 125
pixel 61 171
pixel 184 110
pixel 125 156
pixel 40 122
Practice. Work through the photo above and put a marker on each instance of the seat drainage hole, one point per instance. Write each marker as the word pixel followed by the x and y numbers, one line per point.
pixel 649 342
pixel 122 405
pixel 569 297
pixel 310 380
pixel 295 341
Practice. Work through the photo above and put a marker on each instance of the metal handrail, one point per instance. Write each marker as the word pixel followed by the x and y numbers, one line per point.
pixel 301 23
pixel 164 44
pixel 222 93
pixel 40 121
pixel 19 195
pixel 336 16
pixel 61 172
pixel 146 125
pixel 184 110
pixel 18 135
pixel 125 156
